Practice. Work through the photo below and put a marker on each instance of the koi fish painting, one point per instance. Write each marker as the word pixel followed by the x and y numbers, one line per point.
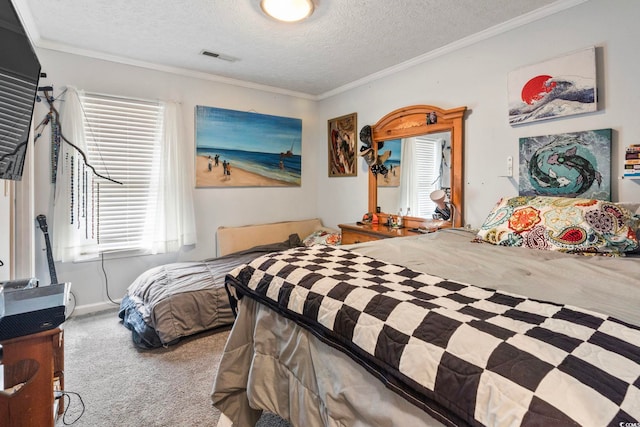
pixel 555 88
pixel 567 165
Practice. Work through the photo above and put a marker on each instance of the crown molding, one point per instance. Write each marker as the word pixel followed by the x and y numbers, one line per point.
pixel 462 43
pixel 553 8
pixel 60 47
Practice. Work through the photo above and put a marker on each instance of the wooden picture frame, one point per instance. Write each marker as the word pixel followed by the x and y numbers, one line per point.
pixel 342 146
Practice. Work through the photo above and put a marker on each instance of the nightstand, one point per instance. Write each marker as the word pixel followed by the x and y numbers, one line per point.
pixel 36 362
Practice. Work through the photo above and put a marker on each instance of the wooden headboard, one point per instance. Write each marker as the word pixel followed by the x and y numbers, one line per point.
pixel 233 239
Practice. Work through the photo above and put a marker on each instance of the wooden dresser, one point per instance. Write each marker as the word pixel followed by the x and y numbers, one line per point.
pixel 364 232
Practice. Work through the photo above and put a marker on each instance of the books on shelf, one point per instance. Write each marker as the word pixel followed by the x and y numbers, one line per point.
pixel 632 161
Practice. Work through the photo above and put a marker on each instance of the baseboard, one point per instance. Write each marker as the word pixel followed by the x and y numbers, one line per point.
pixel 93 308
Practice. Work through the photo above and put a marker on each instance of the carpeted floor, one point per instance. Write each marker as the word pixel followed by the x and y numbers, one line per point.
pixel 119 384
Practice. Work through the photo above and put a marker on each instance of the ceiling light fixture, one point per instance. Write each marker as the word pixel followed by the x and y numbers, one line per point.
pixel 287 10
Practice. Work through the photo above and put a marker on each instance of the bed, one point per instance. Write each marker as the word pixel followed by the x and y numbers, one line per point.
pixel 501 326
pixel 169 302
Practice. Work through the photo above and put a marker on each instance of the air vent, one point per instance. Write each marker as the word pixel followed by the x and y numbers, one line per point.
pixel 218 56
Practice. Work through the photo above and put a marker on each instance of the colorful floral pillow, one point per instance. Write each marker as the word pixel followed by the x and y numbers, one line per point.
pixel 323 237
pixel 562 224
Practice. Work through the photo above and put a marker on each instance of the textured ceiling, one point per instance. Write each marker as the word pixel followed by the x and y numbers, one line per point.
pixel 342 43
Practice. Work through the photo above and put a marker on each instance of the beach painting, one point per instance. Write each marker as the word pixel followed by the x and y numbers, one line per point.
pixel 574 164
pixel 246 149
pixel 392 162
pixel 558 87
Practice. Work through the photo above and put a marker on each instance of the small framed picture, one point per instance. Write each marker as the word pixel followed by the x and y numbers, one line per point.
pixel 343 153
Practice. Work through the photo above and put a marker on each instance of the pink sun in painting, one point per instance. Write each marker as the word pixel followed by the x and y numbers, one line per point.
pixel 536 88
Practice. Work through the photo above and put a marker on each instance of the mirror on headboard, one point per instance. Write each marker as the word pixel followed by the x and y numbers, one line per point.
pixel 441 129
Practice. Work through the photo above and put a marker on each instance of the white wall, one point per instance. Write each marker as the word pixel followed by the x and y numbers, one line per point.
pixel 476 76
pixel 213 206
pixel 6 222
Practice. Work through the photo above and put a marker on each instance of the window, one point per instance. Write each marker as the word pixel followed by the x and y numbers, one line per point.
pixel 428 164
pixel 123 140
pixel 139 197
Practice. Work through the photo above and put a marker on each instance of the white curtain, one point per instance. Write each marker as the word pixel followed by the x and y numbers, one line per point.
pixel 409 176
pixel 171 218
pixel 444 154
pixel 173 210
pixel 74 233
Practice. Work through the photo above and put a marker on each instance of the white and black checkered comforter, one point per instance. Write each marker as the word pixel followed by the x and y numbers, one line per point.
pixel 487 357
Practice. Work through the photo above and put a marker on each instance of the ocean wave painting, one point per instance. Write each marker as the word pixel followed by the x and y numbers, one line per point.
pixel 559 87
pixel 246 149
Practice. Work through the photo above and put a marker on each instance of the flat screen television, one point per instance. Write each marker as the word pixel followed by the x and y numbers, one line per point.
pixel 19 75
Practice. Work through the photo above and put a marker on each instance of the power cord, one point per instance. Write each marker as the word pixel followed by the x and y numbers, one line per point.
pixel 72 301
pixel 62 394
pixel 106 280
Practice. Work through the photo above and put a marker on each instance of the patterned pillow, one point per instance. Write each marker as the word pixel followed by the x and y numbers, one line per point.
pixel 586 226
pixel 323 237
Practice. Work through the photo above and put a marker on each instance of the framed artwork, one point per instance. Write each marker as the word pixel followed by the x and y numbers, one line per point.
pixel 342 145
pixel 574 164
pixel 243 149
pixel 391 162
pixel 558 87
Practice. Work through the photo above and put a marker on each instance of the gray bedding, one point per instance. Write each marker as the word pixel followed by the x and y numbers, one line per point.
pixel 271 363
pixel 172 301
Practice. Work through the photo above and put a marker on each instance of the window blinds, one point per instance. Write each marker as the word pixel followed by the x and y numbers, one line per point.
pixel 427 152
pixel 123 143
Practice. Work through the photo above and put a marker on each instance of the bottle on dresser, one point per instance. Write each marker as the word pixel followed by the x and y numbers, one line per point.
pixel 399 220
